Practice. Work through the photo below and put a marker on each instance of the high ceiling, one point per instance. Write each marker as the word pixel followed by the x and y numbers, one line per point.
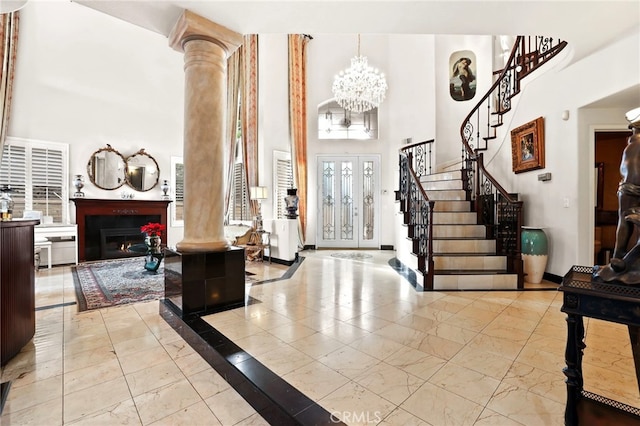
pixel 586 25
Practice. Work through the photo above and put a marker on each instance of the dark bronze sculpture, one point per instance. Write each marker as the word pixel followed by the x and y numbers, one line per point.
pixel 624 266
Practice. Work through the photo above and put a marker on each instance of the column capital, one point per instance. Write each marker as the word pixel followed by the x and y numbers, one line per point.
pixel 191 26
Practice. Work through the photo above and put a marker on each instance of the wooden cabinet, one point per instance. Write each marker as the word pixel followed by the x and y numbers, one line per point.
pixel 17 287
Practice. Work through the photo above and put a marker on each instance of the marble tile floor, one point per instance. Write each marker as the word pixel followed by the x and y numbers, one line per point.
pixel 351 334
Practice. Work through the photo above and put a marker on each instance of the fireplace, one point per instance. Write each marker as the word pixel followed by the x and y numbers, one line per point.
pixel 105 224
pixel 121 242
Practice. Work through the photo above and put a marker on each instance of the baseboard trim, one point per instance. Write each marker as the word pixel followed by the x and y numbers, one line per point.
pixel 552 277
pixel 281 261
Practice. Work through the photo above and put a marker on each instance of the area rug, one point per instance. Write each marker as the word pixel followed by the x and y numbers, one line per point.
pixel 116 282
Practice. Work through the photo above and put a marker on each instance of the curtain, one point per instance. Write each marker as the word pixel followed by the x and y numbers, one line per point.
pixel 234 78
pixel 249 113
pixel 9 24
pixel 298 123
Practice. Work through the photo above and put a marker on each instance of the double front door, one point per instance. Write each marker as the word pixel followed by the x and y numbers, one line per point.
pixel 348 201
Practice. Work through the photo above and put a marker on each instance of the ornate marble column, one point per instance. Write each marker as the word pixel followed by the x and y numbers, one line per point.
pixel 206 47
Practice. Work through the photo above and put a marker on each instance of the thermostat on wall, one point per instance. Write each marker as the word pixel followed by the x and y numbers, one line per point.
pixel 544 177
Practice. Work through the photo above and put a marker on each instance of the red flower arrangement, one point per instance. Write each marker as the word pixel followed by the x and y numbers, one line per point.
pixel 153 229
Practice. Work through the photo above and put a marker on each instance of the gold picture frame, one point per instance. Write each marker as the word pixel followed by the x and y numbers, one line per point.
pixel 527 146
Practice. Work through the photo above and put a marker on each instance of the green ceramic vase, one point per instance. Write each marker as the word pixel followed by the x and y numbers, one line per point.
pixel 535 253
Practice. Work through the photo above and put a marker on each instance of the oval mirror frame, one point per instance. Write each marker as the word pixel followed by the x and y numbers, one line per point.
pixel 107 168
pixel 143 172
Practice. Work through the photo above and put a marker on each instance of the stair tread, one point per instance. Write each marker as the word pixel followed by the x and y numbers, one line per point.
pixel 466 254
pixel 463 238
pixel 451 211
pixel 454 211
pixel 444 172
pixel 472 272
pixel 456 224
pixel 453 224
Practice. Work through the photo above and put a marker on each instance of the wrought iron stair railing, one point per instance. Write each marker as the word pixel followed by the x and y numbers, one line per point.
pixel 498 210
pixel 416 161
pixel 481 124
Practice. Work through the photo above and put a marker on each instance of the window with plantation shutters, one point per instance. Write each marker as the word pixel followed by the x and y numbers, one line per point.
pixel 13 172
pixel 37 172
pixel 177 188
pixel 47 182
pixel 282 180
pixel 239 197
pixel 180 187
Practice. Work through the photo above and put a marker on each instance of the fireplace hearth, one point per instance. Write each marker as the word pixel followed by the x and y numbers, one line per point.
pixel 105 224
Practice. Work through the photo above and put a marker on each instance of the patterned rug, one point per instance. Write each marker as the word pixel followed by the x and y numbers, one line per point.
pixel 119 281
pixel 116 282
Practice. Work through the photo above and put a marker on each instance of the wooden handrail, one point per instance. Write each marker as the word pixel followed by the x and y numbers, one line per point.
pixel 414 144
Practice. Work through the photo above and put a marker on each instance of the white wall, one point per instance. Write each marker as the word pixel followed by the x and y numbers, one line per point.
pixel 88 79
pixel 450 112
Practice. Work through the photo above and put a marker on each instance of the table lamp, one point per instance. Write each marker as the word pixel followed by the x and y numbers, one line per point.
pixel 258 193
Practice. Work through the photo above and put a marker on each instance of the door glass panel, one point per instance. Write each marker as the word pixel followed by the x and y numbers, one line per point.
pixel 346 205
pixel 347 202
pixel 328 200
pixel 368 191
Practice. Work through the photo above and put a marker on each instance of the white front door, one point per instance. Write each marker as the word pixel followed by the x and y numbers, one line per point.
pixel 348 201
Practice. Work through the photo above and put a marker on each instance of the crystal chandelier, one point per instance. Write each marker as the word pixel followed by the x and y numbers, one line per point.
pixel 360 87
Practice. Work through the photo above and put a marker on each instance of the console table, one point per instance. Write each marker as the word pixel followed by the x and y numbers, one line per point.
pixel 617 303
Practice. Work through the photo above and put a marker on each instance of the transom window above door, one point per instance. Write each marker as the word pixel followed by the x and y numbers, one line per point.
pixel 335 122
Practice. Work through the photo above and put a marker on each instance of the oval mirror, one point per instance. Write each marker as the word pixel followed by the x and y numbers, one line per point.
pixel 142 171
pixel 106 168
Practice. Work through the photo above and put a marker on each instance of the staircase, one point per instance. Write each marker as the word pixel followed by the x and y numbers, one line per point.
pixel 463 227
pixel 463 257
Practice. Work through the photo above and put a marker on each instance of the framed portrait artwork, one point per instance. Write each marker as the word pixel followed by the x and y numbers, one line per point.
pixel 527 146
pixel 462 75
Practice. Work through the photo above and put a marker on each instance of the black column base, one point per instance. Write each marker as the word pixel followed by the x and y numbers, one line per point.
pixel 205 283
